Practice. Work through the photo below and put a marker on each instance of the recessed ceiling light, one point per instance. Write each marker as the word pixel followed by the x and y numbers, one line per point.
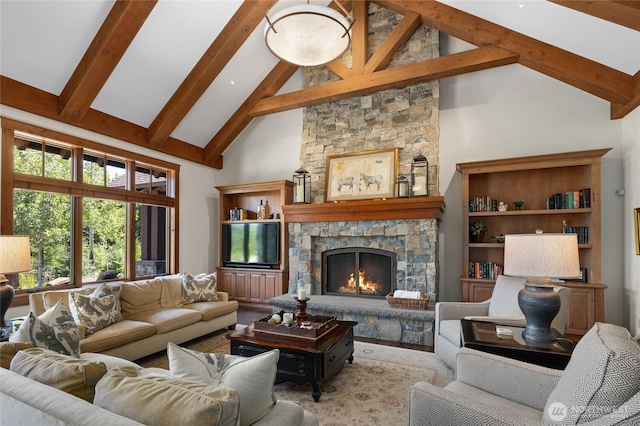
pixel 522 5
pixel 233 83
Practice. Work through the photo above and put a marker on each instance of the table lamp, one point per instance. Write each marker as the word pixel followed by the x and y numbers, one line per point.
pixel 15 256
pixel 540 258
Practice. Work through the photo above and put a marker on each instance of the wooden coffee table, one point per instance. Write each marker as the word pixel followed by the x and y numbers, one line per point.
pixel 301 360
pixel 483 337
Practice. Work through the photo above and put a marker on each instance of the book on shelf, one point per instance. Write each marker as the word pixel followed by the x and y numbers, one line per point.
pixel 485 203
pixel 484 270
pixel 581 231
pixel 578 199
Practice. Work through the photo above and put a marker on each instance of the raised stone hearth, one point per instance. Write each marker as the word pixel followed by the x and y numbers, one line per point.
pixel 376 320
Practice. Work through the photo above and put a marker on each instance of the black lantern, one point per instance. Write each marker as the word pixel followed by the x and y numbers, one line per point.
pixel 419 176
pixel 402 187
pixel 301 187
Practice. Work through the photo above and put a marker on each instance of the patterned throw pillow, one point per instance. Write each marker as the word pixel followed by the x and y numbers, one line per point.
pixel 252 377
pixel 55 330
pixel 97 310
pixel 201 288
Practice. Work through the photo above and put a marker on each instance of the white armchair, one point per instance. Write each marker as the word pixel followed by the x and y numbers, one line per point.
pixel 502 308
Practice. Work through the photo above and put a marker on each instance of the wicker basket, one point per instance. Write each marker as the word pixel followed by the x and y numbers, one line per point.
pixel 401 303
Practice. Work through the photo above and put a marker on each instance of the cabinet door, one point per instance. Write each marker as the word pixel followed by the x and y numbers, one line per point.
pixel 476 291
pixel 271 285
pixel 228 283
pixel 256 287
pixel 581 311
pixel 241 284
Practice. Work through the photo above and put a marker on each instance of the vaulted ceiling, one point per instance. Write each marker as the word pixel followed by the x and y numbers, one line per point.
pixel 186 77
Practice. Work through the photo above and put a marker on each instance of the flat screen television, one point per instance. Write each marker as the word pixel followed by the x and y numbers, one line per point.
pixel 255 244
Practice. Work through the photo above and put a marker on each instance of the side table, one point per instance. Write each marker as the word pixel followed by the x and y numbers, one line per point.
pixel 482 336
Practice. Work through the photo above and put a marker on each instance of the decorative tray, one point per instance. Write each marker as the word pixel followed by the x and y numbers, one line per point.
pixel 319 326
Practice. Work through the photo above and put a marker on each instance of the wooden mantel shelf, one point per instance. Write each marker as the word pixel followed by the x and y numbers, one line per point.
pixel 383 209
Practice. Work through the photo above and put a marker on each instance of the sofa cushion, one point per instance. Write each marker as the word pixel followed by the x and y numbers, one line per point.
pixel 504 299
pixel 72 375
pixel 117 334
pixel 8 350
pixel 159 400
pixel 201 288
pixel 96 310
pixel 168 319
pixel 601 376
pixel 252 378
pixel 171 290
pixel 210 310
pixel 55 329
pixel 140 296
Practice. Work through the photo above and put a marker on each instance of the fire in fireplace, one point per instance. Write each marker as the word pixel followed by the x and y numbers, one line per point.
pixel 358 272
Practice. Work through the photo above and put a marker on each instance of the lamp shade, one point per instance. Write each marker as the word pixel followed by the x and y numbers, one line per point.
pixel 541 255
pixel 15 255
pixel 307 35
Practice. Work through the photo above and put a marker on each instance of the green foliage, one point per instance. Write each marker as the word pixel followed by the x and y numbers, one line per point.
pixel 477 228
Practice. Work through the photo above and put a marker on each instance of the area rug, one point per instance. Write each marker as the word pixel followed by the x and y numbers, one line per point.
pixel 373 390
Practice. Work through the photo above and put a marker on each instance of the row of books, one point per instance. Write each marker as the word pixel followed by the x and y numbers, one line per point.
pixel 483 204
pixel 484 270
pixel 582 231
pixel 570 200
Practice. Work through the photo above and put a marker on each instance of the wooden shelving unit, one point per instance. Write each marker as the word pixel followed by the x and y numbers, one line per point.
pixel 256 285
pixel 533 180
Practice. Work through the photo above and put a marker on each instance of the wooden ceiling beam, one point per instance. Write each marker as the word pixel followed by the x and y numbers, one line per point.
pixel 398 37
pixel 230 39
pixel 27 98
pixel 592 77
pixel 273 82
pixel 621 12
pixel 402 76
pixel 105 51
pixel 620 111
pixel 359 36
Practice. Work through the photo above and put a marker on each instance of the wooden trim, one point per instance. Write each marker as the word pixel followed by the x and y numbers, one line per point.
pixel 6 183
pixel 387 209
pixel 625 13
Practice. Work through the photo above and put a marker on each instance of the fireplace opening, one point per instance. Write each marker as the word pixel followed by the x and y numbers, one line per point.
pixel 358 272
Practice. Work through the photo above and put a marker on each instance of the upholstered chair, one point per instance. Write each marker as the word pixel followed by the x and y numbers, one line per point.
pixel 501 308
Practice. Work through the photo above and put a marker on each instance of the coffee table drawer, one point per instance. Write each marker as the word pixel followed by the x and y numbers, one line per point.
pixel 337 354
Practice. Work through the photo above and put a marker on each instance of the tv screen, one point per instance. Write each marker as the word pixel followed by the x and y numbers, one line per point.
pixel 255 244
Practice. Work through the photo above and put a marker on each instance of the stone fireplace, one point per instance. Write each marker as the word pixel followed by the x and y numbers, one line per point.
pixel 358 272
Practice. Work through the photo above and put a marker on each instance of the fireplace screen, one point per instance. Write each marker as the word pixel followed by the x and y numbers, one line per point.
pixel 358 272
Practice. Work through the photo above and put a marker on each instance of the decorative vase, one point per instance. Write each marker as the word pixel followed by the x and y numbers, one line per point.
pixel 476 238
pixel 540 304
pixel 518 204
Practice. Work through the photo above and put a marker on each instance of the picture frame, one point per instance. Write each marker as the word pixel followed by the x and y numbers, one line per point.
pixel 361 176
pixel 636 225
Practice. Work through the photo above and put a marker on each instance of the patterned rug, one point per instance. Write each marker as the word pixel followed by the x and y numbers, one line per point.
pixel 373 390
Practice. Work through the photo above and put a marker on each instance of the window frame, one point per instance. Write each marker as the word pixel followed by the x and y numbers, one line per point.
pixel 77 189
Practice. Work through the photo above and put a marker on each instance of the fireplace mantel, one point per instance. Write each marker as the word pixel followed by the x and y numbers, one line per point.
pixel 382 209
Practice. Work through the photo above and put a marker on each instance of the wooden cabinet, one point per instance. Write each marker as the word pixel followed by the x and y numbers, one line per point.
pixel 247 284
pixel 534 180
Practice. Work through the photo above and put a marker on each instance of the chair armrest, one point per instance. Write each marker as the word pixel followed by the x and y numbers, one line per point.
pixel 458 310
pixel 431 405
pixel 518 381
pixel 223 296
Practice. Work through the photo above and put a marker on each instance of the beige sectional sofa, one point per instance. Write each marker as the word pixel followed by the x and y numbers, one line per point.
pixel 154 315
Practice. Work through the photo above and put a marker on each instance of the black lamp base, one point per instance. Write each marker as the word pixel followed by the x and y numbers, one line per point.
pixel 540 304
pixel 6 297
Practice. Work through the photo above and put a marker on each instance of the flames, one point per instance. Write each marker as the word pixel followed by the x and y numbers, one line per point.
pixel 365 286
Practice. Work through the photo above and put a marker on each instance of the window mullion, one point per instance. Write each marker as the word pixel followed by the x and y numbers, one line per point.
pixel 76 219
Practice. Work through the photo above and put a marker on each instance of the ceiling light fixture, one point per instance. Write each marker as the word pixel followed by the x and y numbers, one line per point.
pixel 308 35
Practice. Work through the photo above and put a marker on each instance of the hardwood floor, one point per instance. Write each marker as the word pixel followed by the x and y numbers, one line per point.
pixel 247 314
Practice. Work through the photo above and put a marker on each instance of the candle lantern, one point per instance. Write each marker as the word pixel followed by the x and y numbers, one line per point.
pixel 419 176
pixel 402 187
pixel 301 187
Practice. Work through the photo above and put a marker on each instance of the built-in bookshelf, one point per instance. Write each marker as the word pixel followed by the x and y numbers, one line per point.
pixel 559 193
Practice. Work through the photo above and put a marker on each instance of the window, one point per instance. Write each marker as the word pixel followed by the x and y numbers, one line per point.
pixel 74 198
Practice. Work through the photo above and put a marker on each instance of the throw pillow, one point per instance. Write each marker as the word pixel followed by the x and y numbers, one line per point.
pixel 97 310
pixel 252 378
pixel 602 375
pixel 171 292
pixel 201 288
pixel 72 375
pixel 159 400
pixel 55 329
